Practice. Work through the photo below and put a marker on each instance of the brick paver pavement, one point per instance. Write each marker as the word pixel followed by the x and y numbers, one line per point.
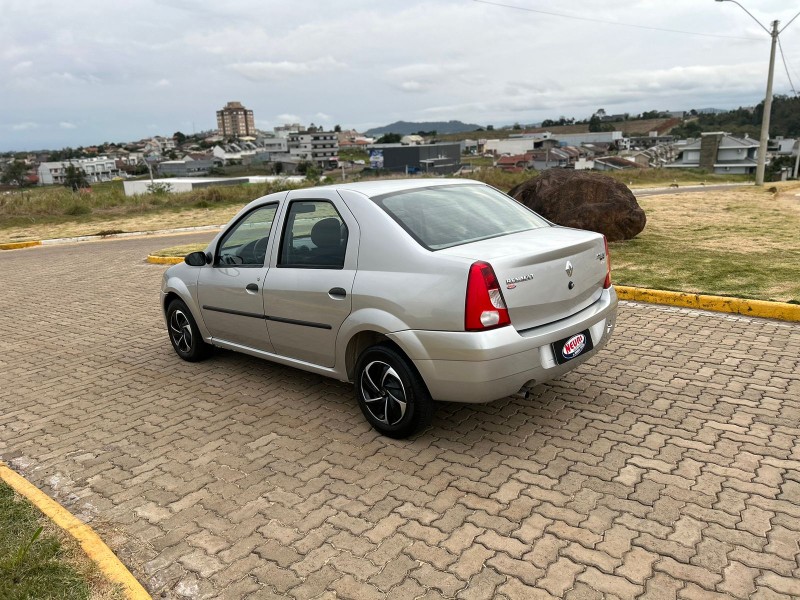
pixel 666 467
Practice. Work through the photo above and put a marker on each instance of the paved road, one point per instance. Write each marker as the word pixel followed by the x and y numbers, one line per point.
pixel 669 466
pixel 686 189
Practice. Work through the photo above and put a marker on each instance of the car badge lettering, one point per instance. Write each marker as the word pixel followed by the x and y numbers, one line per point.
pixel 569 269
pixel 574 345
pixel 512 282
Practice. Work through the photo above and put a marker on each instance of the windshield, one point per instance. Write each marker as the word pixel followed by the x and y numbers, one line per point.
pixel 445 216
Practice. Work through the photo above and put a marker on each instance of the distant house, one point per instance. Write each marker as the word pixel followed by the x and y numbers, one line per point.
pixel 97 169
pixel 412 140
pixel 642 158
pixel 515 163
pixel 719 152
pixel 191 165
pixel 552 158
pixel 614 163
pixel 782 146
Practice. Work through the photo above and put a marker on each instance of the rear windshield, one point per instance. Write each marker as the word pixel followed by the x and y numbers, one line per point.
pixel 445 216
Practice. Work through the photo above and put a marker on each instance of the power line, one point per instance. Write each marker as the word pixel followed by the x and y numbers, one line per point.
pixel 785 66
pixel 591 20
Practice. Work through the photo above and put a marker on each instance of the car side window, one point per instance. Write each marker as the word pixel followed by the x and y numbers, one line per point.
pixel 315 236
pixel 246 244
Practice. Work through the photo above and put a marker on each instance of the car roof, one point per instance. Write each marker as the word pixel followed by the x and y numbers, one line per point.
pixel 390 186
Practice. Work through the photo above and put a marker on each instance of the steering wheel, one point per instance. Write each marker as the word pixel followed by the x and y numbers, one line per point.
pixel 253 253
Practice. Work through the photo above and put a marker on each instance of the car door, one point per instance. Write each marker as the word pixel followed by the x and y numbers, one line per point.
pixel 307 292
pixel 230 289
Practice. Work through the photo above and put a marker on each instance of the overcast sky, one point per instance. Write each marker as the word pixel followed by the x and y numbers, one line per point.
pixel 85 72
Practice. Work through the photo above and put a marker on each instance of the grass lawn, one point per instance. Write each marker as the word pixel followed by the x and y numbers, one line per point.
pixel 47 565
pixel 741 242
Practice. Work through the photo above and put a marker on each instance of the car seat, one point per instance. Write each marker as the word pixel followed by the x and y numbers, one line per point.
pixel 328 241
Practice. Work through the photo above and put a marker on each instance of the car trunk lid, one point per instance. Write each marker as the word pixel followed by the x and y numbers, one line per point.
pixel 545 274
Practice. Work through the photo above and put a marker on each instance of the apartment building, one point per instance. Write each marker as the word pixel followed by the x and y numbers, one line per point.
pixel 318 147
pixel 234 121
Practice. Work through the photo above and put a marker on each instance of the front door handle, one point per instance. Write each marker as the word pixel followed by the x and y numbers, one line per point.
pixel 251 287
pixel 337 293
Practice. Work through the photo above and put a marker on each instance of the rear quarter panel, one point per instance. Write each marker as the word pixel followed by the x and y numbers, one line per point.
pixel 415 288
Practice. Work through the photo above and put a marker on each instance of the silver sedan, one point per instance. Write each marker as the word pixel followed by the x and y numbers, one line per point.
pixel 415 291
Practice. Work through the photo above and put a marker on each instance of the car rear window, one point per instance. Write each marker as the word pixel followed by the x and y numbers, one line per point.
pixel 445 216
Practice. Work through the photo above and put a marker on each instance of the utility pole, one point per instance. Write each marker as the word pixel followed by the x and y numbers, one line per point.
pixel 762 146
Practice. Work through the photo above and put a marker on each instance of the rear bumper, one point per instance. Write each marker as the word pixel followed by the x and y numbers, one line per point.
pixel 485 366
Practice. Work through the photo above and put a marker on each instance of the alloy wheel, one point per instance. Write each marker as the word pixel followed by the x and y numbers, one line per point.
pixel 383 393
pixel 180 329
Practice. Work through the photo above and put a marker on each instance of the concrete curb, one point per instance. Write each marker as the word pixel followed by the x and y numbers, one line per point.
pixel 164 260
pixel 18 245
pixel 92 545
pixel 750 308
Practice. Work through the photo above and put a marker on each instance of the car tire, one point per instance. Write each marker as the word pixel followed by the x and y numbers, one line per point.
pixel 184 334
pixel 391 393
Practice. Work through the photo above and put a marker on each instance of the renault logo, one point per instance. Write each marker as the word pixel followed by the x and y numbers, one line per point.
pixel 569 269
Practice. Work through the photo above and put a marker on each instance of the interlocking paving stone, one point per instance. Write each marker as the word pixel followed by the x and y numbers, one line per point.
pixel 666 466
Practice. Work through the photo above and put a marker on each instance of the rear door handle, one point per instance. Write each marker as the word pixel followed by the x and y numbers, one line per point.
pixel 251 287
pixel 337 293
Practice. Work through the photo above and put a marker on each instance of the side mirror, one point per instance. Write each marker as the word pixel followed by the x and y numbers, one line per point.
pixel 196 259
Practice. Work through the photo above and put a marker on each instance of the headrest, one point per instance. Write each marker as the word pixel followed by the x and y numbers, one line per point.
pixel 326 233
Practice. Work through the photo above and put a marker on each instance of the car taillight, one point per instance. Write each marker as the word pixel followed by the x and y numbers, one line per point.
pixel 485 308
pixel 607 282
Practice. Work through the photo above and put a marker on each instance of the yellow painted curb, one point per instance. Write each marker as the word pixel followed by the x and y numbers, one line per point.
pixel 18 245
pixel 91 543
pixel 165 260
pixel 751 308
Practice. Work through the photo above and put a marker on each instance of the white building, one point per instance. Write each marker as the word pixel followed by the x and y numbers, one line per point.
pixel 101 168
pixel 260 150
pixel 512 146
pixel 412 140
pixel 319 147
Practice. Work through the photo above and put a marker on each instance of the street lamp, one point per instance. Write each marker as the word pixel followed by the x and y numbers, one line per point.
pixel 762 146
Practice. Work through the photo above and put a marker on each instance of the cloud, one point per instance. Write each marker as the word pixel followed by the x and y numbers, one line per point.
pixel 163 83
pixel 67 125
pixel 24 126
pixel 412 86
pixel 260 71
pixel 22 66
pixel 289 118
pixel 321 116
pixel 423 77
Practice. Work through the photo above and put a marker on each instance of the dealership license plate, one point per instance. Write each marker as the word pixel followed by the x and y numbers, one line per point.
pixel 572 347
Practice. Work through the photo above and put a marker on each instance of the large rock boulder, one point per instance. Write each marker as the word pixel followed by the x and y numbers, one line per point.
pixel 583 200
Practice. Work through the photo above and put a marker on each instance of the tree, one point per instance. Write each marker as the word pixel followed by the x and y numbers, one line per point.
pixel 16 173
pixel 309 169
pixel 337 128
pixel 389 138
pixel 179 137
pixel 594 123
pixel 601 112
pixel 75 178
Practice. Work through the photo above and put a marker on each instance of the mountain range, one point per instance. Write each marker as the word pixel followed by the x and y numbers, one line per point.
pixel 409 127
